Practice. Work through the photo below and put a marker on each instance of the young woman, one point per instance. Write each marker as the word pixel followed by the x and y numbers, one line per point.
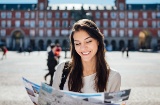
pixel 89 71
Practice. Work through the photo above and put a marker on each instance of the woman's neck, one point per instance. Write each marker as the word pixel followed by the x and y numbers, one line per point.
pixel 88 68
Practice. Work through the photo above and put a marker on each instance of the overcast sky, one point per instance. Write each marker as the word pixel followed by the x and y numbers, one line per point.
pixel 110 2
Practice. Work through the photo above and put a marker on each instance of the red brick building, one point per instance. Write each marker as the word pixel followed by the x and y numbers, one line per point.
pixel 37 25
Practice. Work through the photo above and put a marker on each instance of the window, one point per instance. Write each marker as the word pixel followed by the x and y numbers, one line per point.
pixel 105 15
pixel 3 32
pixel 3 15
pixel 9 23
pixel 121 15
pixel 72 22
pixel 49 23
pixel 105 32
pixel 57 23
pixel 144 15
pixel 65 14
pixel 121 6
pixel 158 33
pixel 17 23
pixel 145 24
pixel 57 32
pixel 26 23
pixel 41 15
pixel 113 15
pixel 49 15
pixel 32 15
pixel 130 24
pixel 41 6
pixel 9 15
pixel 41 23
pixel 121 33
pixel 41 32
pixel 136 24
pixel 113 33
pixel 57 15
pixel 135 15
pixel 32 23
pixel 158 14
pixel 130 33
pixel 32 32
pixel 130 15
pixel 97 15
pixel 113 24
pixel 18 15
pixel 49 32
pixel 158 24
pixel 153 24
pixel 121 24
pixel 97 23
pixel 105 24
pixel 153 15
pixel 3 23
pixel 65 23
pixel 26 15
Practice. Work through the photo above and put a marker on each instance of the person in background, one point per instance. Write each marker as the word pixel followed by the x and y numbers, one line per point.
pixel 51 63
pixel 89 71
pixel 5 50
pixel 58 51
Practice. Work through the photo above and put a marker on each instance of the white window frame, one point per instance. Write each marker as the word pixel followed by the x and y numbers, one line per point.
pixel 113 15
pixel 105 33
pixel 9 15
pixel 26 15
pixel 17 23
pixel 3 32
pixel 9 24
pixel 32 32
pixel 130 15
pixel 3 15
pixel 49 15
pixel 49 32
pixel 113 24
pixel 130 33
pixel 113 33
pixel 98 15
pixel 121 15
pixel 105 24
pixel 57 23
pixel 3 23
pixel 18 15
pixel 41 32
pixel 65 15
pixel 105 15
pixel 121 33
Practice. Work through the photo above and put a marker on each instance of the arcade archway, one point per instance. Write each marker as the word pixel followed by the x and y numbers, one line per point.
pixel 17 40
pixel 145 39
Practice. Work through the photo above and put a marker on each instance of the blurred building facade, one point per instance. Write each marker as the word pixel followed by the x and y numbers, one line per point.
pixel 37 25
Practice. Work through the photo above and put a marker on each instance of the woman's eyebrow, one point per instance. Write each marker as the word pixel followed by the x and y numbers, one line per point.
pixel 84 39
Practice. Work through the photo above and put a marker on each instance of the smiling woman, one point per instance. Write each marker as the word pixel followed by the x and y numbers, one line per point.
pixel 88 70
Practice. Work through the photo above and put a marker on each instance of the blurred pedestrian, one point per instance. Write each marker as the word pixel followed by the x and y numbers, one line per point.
pixel 51 63
pixel 5 50
pixel 127 52
pixel 123 49
pixel 58 51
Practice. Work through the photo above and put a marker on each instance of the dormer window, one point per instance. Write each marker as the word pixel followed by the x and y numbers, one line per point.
pixel 41 6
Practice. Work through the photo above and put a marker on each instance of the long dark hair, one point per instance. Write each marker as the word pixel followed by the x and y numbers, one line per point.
pixel 75 82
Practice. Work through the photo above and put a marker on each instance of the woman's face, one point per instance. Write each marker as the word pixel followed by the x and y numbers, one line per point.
pixel 85 45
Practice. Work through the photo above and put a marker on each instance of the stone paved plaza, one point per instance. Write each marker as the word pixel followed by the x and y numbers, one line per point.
pixel 140 72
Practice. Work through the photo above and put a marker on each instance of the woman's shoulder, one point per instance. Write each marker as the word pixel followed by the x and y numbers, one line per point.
pixel 114 73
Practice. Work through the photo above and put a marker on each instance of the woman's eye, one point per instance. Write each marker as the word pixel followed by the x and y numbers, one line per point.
pixel 77 44
pixel 89 41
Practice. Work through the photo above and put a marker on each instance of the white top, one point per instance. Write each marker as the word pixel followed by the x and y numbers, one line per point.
pixel 114 81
